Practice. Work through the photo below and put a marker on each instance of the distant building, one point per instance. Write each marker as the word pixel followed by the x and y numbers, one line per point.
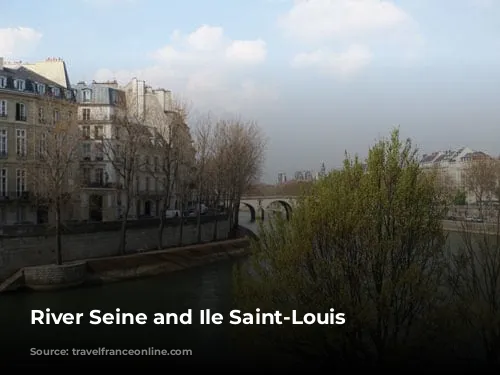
pixel 299 176
pixel 281 178
pixel 451 165
pixel 308 176
pixel 322 171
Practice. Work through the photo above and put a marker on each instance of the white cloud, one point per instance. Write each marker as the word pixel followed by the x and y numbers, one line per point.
pixel 378 24
pixel 247 51
pixel 18 42
pixel 344 64
pixel 206 66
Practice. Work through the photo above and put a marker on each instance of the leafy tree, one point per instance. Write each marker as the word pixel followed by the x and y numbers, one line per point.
pixel 366 241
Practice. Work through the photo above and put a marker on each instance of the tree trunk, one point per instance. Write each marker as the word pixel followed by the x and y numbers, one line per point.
pixel 236 214
pixel 123 229
pixel 215 236
pixel 181 227
pixel 198 220
pixel 58 233
pixel 163 212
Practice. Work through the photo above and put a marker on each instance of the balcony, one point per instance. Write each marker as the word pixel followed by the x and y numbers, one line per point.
pixel 20 118
pixel 9 196
pixel 100 185
pixel 3 116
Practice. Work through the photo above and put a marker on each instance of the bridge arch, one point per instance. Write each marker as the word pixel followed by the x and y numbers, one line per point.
pixel 252 210
pixel 287 206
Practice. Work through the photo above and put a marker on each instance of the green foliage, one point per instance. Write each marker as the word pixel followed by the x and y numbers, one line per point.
pixel 367 241
pixel 460 198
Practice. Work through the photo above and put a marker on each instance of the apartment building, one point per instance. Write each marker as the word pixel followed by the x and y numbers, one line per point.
pixel 99 106
pixel 29 100
pixel 102 107
pixel 451 166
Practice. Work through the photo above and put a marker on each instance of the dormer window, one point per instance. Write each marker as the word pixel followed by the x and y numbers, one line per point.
pixel 87 95
pixel 56 91
pixel 3 82
pixel 20 84
pixel 69 94
pixel 40 88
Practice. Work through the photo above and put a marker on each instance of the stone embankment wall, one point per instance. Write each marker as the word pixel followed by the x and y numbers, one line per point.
pixel 17 252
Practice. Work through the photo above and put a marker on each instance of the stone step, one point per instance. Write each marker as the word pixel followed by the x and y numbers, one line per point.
pixel 12 282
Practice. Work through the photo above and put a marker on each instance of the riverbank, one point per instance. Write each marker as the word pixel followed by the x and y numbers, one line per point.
pixel 125 267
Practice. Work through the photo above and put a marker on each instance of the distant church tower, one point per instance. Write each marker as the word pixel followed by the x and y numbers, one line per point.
pixel 322 172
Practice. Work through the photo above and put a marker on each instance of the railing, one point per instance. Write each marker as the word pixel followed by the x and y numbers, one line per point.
pixel 6 196
pixel 100 185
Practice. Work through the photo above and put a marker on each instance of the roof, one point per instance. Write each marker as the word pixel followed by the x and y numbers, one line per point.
pixel 53 69
pixel 451 156
pixel 30 77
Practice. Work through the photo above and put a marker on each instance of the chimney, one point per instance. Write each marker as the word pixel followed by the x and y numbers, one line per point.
pixel 1 63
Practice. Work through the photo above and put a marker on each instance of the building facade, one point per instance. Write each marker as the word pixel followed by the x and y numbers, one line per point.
pixel 102 109
pixel 29 101
pixel 99 106
pixel 451 167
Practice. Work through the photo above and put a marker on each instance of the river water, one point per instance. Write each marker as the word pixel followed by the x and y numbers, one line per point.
pixel 207 287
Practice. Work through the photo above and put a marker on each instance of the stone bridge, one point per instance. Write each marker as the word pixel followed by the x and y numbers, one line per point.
pixel 258 205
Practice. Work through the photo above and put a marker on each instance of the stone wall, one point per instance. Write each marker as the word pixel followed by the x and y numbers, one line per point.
pixel 18 252
pixel 52 276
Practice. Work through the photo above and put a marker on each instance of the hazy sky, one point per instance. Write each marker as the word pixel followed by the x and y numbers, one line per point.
pixel 320 76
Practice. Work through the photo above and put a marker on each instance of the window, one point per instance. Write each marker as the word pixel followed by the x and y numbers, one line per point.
pixel 20 112
pixel 3 108
pixel 42 144
pixel 137 184
pixel 70 115
pixel 3 182
pixel 69 94
pixel 3 82
pixel 87 95
pixel 146 162
pixel 98 131
pixel 86 151
pixel 99 155
pixel 21 142
pixel 41 116
pixel 56 91
pixel 3 142
pixel 55 115
pixel 147 183
pixel 40 88
pixel 20 181
pixel 86 132
pixel 86 176
pixel 99 176
pixel 86 114
pixel 156 163
pixel 20 84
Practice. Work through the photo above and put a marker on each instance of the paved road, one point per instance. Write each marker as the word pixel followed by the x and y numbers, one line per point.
pixel 448 225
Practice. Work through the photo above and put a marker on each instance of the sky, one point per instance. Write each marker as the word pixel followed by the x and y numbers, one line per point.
pixel 321 77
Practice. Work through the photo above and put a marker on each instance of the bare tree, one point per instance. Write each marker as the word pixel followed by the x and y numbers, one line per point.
pixel 481 179
pixel 53 168
pixel 124 150
pixel 171 151
pixel 202 138
pixel 246 144
pixel 475 282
